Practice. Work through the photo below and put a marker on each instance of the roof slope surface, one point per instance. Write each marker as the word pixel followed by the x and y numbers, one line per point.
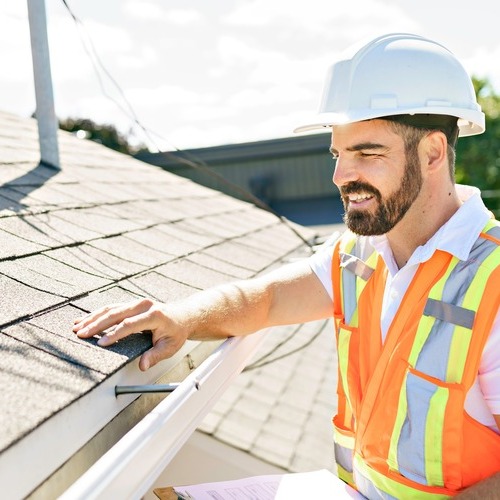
pixel 105 228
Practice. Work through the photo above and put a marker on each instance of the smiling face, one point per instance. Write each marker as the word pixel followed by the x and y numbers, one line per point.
pixel 378 181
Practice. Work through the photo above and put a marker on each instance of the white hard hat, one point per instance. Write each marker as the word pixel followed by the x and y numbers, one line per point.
pixel 398 74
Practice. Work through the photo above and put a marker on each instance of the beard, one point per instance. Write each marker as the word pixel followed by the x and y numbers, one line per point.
pixel 390 210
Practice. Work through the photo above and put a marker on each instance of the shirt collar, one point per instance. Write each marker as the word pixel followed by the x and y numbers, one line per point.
pixel 456 236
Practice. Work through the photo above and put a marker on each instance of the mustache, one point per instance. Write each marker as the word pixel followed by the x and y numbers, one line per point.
pixel 357 186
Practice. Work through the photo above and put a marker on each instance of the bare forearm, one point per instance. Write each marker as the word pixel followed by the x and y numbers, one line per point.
pixel 488 489
pixel 228 310
pixel 289 295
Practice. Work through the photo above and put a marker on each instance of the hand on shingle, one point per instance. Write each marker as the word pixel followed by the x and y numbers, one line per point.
pixel 121 320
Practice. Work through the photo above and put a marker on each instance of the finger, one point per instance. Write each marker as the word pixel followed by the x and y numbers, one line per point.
pixel 108 317
pixel 84 321
pixel 128 326
pixel 163 349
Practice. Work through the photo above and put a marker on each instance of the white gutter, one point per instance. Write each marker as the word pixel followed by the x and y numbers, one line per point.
pixel 129 469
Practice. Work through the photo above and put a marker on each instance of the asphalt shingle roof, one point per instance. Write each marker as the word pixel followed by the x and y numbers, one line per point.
pixel 108 228
pixel 104 228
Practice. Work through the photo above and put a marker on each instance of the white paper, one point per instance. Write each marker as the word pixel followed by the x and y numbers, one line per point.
pixel 304 485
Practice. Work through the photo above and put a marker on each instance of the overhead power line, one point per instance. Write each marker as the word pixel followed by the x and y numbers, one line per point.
pixel 189 159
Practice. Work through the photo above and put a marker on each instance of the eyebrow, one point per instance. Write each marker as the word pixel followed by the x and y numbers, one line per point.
pixel 362 146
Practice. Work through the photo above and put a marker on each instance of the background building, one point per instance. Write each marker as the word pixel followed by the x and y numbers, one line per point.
pixel 292 175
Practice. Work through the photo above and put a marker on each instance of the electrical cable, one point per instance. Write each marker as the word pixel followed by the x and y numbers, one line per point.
pixel 194 162
pixel 97 63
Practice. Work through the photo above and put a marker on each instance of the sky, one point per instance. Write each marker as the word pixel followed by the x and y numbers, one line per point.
pixel 199 73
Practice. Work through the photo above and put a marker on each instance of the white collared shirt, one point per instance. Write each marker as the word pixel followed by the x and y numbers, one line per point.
pixel 456 236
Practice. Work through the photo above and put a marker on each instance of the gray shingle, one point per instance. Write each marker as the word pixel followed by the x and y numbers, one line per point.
pixel 35 384
pixel 157 239
pixel 78 352
pixel 181 242
pixel 19 300
pixel 13 246
pixel 94 261
pixel 99 220
pixel 192 274
pixel 11 201
pixel 54 195
pixel 239 255
pixel 43 273
pixel 112 295
pixel 127 249
pixel 157 286
pixel 211 262
pixel 26 228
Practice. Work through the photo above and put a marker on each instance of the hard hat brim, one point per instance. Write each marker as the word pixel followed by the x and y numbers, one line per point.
pixel 469 123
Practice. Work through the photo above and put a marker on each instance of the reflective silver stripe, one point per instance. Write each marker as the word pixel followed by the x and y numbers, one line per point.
pixel 356 266
pixel 350 299
pixel 343 457
pixel 494 231
pixel 368 489
pixel 411 444
pixel 450 313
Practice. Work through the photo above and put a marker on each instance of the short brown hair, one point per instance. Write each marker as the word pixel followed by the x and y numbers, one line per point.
pixel 412 128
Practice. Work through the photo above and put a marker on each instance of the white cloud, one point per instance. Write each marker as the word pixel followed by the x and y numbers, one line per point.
pixel 235 51
pixel 144 10
pixel 164 95
pixel 277 94
pixel 323 18
pixel 14 10
pixel 70 48
pixel 141 57
pixel 15 52
pixel 195 136
pixel 184 17
pixel 150 11
pixel 482 63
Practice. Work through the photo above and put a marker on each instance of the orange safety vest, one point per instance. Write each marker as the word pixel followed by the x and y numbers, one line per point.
pixel 401 430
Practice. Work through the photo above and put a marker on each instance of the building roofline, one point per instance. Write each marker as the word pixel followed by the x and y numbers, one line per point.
pixel 243 152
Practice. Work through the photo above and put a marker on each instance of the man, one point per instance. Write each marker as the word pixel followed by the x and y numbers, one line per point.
pixel 413 283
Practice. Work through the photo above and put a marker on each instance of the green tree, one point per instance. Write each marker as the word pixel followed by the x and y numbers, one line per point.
pixel 478 156
pixel 104 134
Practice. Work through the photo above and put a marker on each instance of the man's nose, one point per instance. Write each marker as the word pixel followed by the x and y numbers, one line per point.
pixel 345 171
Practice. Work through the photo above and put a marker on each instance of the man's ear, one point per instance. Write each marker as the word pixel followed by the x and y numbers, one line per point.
pixel 434 151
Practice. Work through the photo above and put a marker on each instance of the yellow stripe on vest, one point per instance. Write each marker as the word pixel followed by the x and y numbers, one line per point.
pixel 434 437
pixel 392 487
pixel 392 459
pixel 343 344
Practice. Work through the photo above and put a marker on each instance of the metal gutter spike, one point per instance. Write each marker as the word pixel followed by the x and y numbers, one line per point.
pixel 143 389
pixel 150 388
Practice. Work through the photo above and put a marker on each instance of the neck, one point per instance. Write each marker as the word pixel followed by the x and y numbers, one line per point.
pixel 427 214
